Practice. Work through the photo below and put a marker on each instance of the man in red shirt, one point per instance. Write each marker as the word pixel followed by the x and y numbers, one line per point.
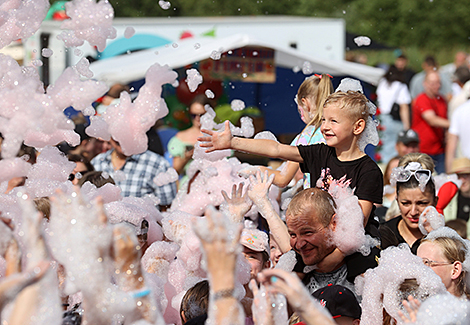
pixel 430 120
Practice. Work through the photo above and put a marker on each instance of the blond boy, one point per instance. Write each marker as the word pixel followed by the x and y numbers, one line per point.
pixel 345 117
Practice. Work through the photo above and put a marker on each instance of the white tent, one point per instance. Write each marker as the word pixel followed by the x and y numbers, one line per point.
pixel 131 67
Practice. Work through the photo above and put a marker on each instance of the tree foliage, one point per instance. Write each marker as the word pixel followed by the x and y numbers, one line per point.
pixel 429 24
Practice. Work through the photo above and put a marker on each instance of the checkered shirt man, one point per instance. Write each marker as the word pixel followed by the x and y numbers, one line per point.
pixel 140 171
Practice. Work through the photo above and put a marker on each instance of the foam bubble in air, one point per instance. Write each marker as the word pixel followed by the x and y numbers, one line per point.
pixel 50 172
pixel 129 32
pixel 362 41
pixel 83 68
pixel 307 68
pixel 98 128
pixel 237 105
pixel 170 176
pixel 165 5
pixel 13 167
pixel 46 52
pixel 209 93
pixel 193 80
pixel 35 117
pixel 20 19
pixel 89 21
pixel 206 187
pixel 129 121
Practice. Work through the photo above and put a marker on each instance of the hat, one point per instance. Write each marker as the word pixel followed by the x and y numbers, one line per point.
pixel 408 136
pixel 339 300
pixel 255 240
pixel 460 166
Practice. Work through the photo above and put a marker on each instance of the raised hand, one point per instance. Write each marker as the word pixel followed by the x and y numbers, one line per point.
pixel 411 306
pixel 238 205
pixel 217 140
pixel 259 187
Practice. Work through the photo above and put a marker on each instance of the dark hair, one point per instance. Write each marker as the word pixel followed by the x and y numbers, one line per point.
pixel 430 60
pixel 402 56
pixel 29 151
pixel 96 178
pixel 462 74
pixel 81 158
pixel 393 74
pixel 195 301
pixel 201 99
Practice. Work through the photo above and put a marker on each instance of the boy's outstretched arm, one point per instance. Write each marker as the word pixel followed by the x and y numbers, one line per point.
pixel 269 148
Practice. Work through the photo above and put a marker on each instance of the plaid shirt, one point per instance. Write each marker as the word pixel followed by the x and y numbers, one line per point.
pixel 140 170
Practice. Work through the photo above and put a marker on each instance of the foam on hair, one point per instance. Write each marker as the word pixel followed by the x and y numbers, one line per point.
pixel 312 201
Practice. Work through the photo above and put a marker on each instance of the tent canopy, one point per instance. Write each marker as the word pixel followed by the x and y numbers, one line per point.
pixel 131 67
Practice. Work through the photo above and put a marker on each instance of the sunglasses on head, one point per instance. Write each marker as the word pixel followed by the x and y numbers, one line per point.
pixel 421 175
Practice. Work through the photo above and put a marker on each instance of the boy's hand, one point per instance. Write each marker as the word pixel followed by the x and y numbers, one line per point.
pixel 217 140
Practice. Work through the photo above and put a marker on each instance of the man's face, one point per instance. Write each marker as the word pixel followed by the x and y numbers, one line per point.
pixel 255 259
pixel 404 149
pixel 310 238
pixel 401 63
pixel 432 83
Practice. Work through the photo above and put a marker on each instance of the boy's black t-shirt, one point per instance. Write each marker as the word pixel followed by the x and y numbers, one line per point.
pixel 365 176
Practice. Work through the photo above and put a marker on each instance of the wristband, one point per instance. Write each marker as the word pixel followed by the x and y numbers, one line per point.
pixel 226 293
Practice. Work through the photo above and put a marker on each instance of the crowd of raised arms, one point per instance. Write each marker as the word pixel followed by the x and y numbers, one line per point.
pixel 186 233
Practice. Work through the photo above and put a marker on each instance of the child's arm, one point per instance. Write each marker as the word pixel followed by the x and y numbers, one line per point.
pixel 258 193
pixel 282 177
pixel 269 148
pixel 366 207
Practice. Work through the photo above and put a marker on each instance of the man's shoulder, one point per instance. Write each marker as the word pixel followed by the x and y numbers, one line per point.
pixel 101 157
pixel 148 157
pixel 461 110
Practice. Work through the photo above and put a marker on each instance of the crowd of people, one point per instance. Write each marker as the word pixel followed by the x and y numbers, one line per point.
pixel 184 233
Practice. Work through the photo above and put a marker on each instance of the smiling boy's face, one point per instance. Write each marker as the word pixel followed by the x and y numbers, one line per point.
pixel 337 127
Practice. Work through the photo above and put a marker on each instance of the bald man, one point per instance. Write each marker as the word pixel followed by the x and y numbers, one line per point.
pixel 430 120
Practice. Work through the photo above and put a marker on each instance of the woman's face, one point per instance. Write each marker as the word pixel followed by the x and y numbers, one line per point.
pixel 412 202
pixel 432 253
pixel 196 111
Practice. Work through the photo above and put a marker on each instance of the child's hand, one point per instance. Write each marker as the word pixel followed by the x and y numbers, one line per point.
pixel 411 306
pixel 217 140
pixel 259 187
pixel 239 205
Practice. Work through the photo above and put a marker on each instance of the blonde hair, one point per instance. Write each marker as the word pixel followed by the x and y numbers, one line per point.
pixel 316 90
pixel 422 158
pixel 453 250
pixel 313 201
pixel 354 103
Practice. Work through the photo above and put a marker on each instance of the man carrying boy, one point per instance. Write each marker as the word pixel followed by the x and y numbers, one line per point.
pixel 310 222
pixel 346 119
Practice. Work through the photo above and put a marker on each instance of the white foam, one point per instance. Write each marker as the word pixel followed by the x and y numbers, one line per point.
pixel 89 21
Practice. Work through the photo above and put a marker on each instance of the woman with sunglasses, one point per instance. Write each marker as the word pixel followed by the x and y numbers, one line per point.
pixel 181 146
pixel 416 191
